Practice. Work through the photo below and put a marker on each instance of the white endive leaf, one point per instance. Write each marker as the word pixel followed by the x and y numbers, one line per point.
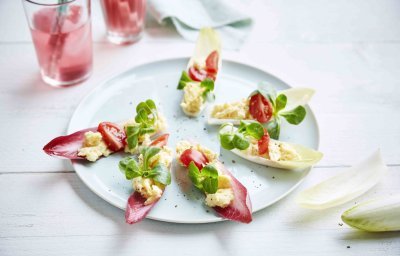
pixel 345 186
pixel 295 97
pixel 376 215
pixel 196 113
pixel 207 42
pixel 308 157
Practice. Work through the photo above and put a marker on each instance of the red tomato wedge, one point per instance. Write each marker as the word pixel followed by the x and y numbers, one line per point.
pixel 240 208
pixel 113 135
pixel 260 108
pixel 212 62
pixel 196 74
pixel 192 155
pixel 160 141
pixel 67 146
pixel 263 144
pixel 136 210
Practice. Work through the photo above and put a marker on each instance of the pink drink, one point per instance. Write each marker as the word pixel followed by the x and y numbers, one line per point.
pixel 63 44
pixel 124 19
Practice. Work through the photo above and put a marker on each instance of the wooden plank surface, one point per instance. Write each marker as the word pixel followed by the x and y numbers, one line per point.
pixel 47 214
pixel 349 51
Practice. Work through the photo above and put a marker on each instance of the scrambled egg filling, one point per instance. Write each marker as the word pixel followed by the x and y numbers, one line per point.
pixel 277 151
pixel 222 198
pixel 234 110
pixel 200 64
pixel 224 195
pixel 184 144
pixel 192 101
pixel 149 188
pixel 93 147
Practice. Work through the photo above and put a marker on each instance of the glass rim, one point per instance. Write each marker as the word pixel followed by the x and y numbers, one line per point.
pixel 36 2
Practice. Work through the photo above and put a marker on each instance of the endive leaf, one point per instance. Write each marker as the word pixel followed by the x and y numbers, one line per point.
pixel 345 186
pixel 207 42
pixel 295 97
pixel 376 215
pixel 308 158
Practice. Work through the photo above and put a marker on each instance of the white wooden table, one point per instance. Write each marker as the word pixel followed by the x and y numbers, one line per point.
pixel 349 51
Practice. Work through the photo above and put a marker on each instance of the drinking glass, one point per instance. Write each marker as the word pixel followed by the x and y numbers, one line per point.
pixel 61 34
pixel 124 20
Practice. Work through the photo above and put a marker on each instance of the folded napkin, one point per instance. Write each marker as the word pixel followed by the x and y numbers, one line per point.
pixel 188 16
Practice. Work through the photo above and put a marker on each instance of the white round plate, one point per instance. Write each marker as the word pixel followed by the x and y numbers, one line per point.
pixel 116 100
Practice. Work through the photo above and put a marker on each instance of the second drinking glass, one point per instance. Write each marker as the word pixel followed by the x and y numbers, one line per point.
pixel 124 20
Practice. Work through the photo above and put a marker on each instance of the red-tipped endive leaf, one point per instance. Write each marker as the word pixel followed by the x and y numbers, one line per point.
pixel 67 146
pixel 240 207
pixel 136 210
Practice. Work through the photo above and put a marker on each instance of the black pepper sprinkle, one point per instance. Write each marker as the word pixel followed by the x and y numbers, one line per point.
pixel 273 177
pixel 340 224
pixel 176 206
pixel 233 161
pixel 207 211
pixel 348 246
pixel 205 129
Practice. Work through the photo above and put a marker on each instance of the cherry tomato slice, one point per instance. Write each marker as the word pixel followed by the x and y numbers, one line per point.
pixel 263 144
pixel 189 155
pixel 260 108
pixel 212 62
pixel 160 141
pixel 113 135
pixel 196 74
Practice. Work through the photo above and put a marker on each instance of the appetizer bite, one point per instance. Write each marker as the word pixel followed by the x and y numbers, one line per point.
pixel 251 141
pixel 107 137
pixel 150 173
pixel 265 106
pixel 224 193
pixel 197 81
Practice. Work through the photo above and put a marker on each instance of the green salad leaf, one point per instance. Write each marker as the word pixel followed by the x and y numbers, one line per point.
pixel 206 180
pixel 184 80
pixel 294 116
pixel 131 168
pixel 231 138
pixel 146 116
pixel 280 102
pixel 274 128
pixel 208 85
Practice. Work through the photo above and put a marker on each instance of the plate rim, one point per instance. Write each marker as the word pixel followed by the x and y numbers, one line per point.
pixel 71 129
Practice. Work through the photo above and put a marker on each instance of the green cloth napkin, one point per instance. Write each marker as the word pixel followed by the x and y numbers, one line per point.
pixel 188 16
